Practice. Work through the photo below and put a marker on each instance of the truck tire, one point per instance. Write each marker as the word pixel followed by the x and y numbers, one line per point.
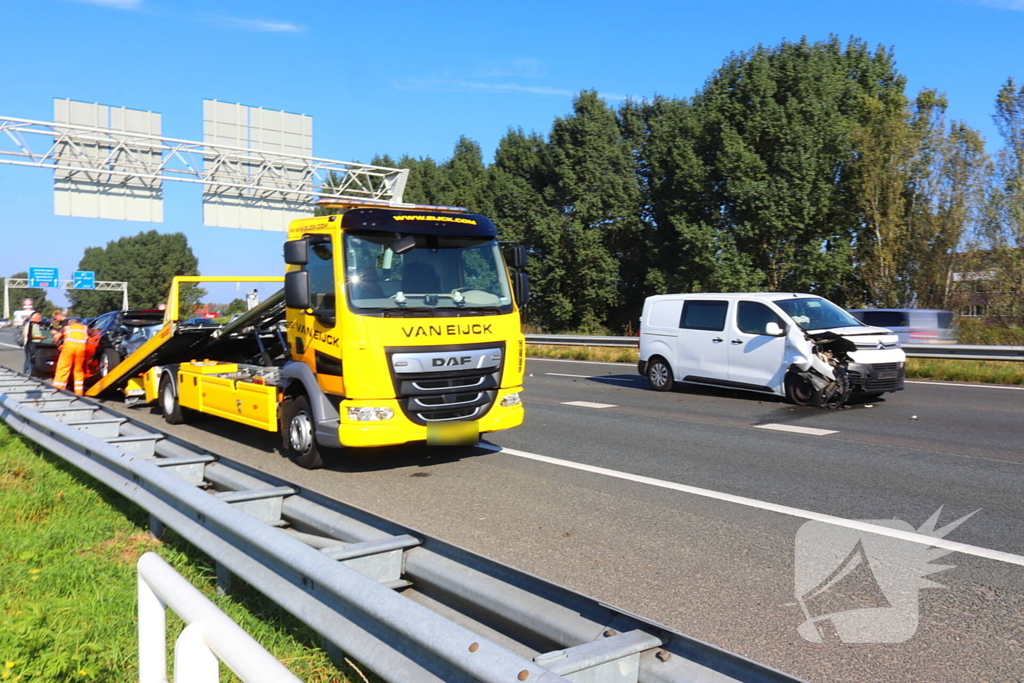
pixel 659 374
pixel 298 433
pixel 799 391
pixel 173 412
pixel 108 359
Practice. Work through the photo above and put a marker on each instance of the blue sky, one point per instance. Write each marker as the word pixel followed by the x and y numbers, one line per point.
pixel 411 77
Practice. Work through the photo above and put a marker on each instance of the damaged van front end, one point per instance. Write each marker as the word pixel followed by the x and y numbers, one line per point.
pixel 843 364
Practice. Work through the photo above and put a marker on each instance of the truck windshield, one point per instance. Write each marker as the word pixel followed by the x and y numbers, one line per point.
pixel 442 275
pixel 816 314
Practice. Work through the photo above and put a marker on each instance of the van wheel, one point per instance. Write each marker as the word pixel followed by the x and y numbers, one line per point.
pixel 798 390
pixel 298 433
pixel 174 414
pixel 659 375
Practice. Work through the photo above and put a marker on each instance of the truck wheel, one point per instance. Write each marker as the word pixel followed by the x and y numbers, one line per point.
pixel 108 359
pixel 798 390
pixel 173 412
pixel 659 375
pixel 298 433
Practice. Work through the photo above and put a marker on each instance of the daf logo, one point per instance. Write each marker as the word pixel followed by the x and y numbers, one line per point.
pixel 451 361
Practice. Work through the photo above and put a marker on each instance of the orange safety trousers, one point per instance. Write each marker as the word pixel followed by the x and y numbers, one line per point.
pixel 73 355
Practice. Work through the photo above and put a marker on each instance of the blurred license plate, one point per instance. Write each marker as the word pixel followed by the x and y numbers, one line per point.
pixel 453 434
pixel 888 374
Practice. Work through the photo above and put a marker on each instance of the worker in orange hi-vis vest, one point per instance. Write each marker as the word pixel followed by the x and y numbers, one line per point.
pixel 73 353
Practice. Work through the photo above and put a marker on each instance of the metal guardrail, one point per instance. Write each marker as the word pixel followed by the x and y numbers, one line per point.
pixel 956 351
pixel 408 606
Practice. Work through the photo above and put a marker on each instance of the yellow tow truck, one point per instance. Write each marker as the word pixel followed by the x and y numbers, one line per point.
pixel 395 324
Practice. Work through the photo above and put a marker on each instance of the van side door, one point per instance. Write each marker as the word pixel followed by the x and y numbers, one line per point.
pixel 702 350
pixel 756 359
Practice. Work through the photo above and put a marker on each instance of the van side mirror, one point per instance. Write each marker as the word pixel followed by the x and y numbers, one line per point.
pixel 773 329
pixel 296 290
pixel 296 252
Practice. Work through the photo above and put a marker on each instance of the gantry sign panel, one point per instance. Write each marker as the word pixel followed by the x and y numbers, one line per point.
pixel 260 179
pixel 103 173
pixel 255 165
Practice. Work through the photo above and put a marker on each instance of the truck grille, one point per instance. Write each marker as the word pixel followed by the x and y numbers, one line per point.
pixel 462 394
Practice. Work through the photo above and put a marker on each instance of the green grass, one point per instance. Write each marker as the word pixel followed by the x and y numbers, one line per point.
pixel 983 371
pixel 67 581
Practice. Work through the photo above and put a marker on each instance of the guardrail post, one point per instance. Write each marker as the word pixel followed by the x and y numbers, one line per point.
pixel 156 528
pixel 225 580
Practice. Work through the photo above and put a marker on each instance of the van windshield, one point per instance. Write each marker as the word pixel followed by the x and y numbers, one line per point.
pixel 816 314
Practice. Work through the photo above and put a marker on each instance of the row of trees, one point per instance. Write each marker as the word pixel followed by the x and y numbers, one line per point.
pixel 799 167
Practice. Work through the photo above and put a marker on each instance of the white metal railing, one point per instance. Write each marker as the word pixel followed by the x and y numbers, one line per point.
pixel 209 636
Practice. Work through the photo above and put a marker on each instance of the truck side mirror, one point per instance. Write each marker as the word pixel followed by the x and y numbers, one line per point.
pixel 296 252
pixel 521 287
pixel 773 329
pixel 296 290
pixel 517 257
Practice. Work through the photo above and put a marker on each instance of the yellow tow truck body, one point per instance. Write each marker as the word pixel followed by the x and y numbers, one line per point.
pixel 395 325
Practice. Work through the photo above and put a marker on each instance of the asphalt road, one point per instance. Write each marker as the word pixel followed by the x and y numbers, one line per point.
pixel 668 505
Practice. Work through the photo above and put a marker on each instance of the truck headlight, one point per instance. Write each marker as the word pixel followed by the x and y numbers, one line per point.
pixel 369 414
pixel 511 400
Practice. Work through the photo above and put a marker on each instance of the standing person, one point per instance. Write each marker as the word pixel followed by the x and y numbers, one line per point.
pixel 31 334
pixel 73 348
pixel 57 322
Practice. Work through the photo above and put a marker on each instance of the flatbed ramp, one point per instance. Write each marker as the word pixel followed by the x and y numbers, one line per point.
pixel 176 343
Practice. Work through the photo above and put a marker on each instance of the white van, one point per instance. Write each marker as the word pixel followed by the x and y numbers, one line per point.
pixel 799 346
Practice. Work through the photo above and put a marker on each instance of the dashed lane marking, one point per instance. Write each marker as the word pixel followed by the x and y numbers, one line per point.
pixel 796 430
pixel 587 404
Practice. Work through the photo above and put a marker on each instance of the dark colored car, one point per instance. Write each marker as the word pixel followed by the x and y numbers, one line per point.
pixel 121 333
pixel 200 322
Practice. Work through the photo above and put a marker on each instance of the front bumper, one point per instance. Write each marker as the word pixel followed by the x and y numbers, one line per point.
pixel 400 429
pixel 877 377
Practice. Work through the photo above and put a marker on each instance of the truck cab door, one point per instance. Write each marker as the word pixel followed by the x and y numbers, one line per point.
pixel 313 337
pixel 756 358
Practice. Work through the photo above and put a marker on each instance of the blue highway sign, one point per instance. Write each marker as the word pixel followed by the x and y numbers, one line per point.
pixel 43 277
pixel 83 279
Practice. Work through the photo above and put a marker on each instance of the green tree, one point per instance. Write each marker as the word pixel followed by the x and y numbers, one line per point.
pixel 235 306
pixel 38 295
pixel 147 262
pixel 750 180
pixel 918 182
pixel 997 253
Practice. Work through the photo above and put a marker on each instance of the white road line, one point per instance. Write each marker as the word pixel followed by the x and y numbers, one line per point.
pixel 913 537
pixel 587 404
pixel 970 386
pixel 796 429
pixel 587 362
pixel 946 384
pixel 10 346
pixel 610 379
